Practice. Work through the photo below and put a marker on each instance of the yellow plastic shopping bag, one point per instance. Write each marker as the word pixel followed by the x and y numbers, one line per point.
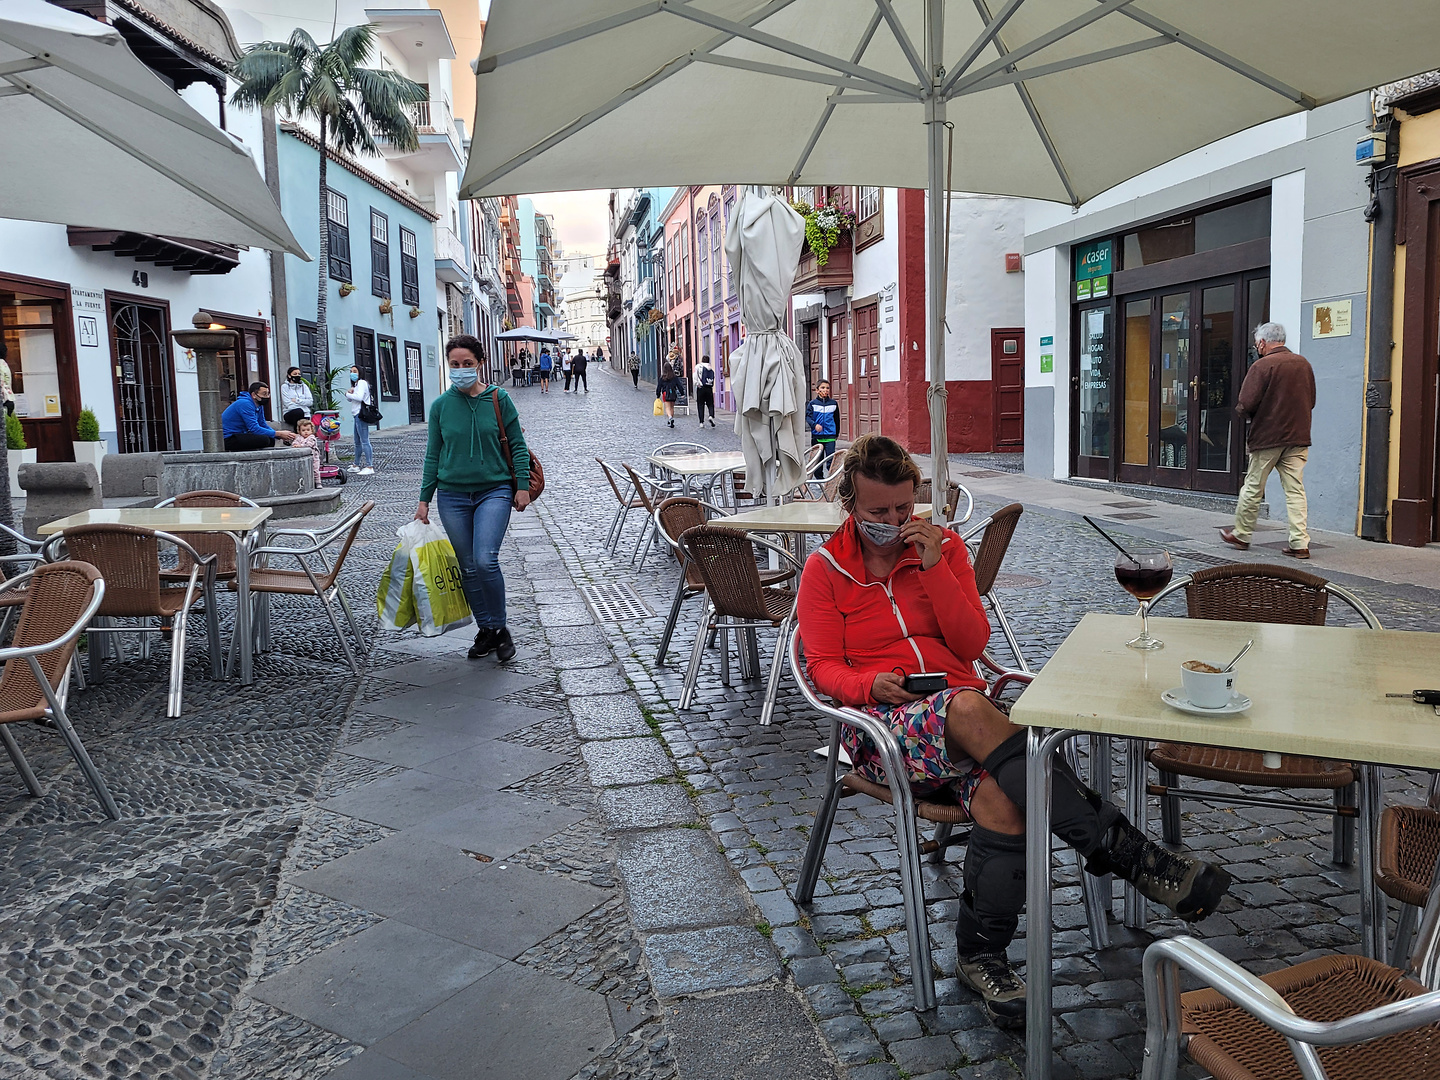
pixel 429 594
pixel 659 407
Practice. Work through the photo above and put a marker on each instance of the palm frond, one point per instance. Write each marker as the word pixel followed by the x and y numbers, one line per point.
pixel 352 131
pixel 302 44
pixel 354 45
pixel 258 71
pixel 387 102
pixel 322 96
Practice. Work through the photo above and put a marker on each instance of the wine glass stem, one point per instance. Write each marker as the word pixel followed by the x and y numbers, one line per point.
pixel 1144 620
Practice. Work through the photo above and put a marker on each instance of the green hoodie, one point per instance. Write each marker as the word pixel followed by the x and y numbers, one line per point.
pixel 463 451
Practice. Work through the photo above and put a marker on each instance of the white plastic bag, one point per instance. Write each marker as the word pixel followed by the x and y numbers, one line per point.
pixel 429 595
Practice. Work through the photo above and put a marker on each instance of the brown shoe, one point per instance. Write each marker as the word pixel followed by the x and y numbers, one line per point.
pixel 1228 535
pixel 1296 553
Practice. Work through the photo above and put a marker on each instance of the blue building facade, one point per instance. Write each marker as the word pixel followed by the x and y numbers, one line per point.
pixel 382 242
pixel 649 295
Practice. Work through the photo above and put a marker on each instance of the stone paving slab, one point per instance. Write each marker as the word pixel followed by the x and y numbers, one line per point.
pixel 372 1065
pixel 416 744
pixel 626 761
pixel 498 825
pixel 492 764
pixel 387 876
pixel 646 806
pixel 717 958
pixel 751 1035
pixel 410 798
pixel 676 878
pixel 377 981
pixel 608 716
pixel 536 1027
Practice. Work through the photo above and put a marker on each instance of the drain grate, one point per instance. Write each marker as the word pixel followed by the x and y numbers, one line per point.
pixel 1129 517
pixel 1201 558
pixel 615 603
pixel 982 474
pixel 1019 581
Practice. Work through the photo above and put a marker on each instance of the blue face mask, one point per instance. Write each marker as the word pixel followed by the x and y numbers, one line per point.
pixel 354 378
pixel 879 533
pixel 463 378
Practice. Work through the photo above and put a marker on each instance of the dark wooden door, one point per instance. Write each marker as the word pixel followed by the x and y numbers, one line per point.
pixel 388 368
pixel 144 376
pixel 414 383
pixel 35 324
pixel 840 372
pixel 365 359
pixel 867 368
pixel 1007 388
pixel 812 348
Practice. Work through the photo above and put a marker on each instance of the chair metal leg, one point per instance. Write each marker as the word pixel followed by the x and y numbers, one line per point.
pixel 1137 809
pixel 692 673
pixel 360 648
pixel 941 840
pixel 177 662
pixel 72 740
pixel 1342 841
pixel 644 532
pixel 777 668
pixel 671 620
pixel 819 839
pixel 912 889
pixel 212 631
pixel 1102 781
pixel 21 765
pixel 1170 810
pixel 1008 632
pixel 614 520
pixel 78 669
pixel 1404 935
pixel 339 633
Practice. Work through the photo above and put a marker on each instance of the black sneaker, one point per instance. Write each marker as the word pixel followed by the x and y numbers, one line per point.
pixel 1189 887
pixel 484 643
pixel 504 646
pixel 990 975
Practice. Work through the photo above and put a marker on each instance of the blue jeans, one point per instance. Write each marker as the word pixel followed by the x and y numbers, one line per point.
pixel 476 522
pixel 363 454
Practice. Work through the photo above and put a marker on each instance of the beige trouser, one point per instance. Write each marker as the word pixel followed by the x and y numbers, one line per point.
pixel 1290 461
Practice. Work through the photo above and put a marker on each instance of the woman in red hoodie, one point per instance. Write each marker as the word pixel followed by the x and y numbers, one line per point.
pixel 890 595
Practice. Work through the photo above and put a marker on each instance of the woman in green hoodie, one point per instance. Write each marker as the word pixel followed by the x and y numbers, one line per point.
pixel 476 486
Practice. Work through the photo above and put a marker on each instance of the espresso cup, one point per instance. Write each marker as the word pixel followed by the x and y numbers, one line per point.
pixel 1208 689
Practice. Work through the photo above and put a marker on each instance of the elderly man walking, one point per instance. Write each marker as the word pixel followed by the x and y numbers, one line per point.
pixel 1278 396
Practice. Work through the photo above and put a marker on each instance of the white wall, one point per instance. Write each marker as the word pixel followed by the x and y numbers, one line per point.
pixel 980 294
pixel 877 273
pixel 1287 245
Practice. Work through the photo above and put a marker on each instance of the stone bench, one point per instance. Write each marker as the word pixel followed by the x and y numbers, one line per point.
pixel 57 489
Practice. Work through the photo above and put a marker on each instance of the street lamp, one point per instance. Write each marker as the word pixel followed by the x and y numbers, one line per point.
pixel 208 340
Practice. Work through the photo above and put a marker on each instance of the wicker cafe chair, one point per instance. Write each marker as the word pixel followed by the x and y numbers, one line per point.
pixel 987 554
pixel 60 599
pixel 649 491
pixel 947 515
pixel 674 517
pixel 317 576
pixel 737 600
pixel 1258 592
pixel 1332 1018
pixel 128 557
pixel 625 495
pixel 1405 864
pixel 219 544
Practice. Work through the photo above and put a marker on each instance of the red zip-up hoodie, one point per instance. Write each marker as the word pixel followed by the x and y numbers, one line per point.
pixel 855 627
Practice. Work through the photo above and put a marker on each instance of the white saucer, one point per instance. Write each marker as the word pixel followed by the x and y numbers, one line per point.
pixel 1176 699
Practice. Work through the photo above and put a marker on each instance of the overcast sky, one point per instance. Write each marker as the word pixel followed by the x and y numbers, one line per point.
pixel 582 218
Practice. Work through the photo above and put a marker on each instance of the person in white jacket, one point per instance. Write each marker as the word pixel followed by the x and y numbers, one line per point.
pixel 296 401
pixel 357 395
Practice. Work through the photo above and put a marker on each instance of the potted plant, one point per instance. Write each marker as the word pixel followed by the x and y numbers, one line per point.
pixel 18 455
pixel 88 446
pixel 346 288
pixel 823 228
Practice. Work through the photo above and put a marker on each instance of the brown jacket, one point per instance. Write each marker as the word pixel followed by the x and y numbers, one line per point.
pixel 1278 395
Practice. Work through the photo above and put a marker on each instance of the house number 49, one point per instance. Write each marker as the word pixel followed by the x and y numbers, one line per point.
pixel 141 278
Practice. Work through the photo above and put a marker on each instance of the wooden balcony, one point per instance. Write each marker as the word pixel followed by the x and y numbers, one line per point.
pixel 839 270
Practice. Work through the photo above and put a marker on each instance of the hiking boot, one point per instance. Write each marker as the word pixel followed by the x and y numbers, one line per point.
pixel 484 643
pixel 990 975
pixel 1188 886
pixel 504 646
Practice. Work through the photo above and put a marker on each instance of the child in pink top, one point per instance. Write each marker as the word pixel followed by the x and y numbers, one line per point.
pixel 305 436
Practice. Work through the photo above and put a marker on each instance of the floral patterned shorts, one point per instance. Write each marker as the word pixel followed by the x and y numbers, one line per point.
pixel 920 726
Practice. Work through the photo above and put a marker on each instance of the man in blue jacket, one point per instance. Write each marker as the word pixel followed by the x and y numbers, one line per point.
pixel 822 416
pixel 243 422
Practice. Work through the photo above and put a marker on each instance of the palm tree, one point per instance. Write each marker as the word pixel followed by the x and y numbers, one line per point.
pixel 352 103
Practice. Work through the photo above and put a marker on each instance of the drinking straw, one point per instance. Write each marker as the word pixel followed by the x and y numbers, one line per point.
pixel 1112 540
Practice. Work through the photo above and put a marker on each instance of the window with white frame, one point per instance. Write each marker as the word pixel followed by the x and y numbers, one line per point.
pixel 869 203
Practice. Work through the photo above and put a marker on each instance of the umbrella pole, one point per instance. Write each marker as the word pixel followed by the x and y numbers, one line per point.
pixel 935 283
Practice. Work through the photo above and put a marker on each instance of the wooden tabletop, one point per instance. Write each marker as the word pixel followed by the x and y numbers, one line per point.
pixel 1316 690
pixel 798 517
pixel 699 464
pixel 173 519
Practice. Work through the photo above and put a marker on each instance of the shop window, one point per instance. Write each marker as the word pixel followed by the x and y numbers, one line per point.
pixel 1137 382
pixel 337 211
pixel 1209 230
pixel 409 269
pixel 379 254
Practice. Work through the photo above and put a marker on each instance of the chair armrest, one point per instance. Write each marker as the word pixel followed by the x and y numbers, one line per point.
pixel 1175 586
pixel 15 652
pixel 1162 1005
pixel 200 560
pixel 795 563
pixel 309 534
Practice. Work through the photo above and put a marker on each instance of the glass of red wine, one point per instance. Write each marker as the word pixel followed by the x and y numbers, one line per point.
pixel 1142 577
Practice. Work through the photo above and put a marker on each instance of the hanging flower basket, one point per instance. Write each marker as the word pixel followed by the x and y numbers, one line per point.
pixel 656 315
pixel 824 226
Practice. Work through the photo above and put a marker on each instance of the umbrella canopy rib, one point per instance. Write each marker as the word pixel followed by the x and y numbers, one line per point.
pixel 1210 52
pixel 567 37
pixel 801 74
pixel 1084 60
pixel 992 28
pixel 680 63
pixel 829 109
pixel 1044 41
pixel 902 39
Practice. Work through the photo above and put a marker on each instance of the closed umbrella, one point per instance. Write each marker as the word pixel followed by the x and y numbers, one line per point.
pixel 94 138
pixel 1053 99
pixel 763 245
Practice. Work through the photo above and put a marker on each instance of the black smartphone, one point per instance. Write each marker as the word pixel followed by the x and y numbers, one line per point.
pixel 926 682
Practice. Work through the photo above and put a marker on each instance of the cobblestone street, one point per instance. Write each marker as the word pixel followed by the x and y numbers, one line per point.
pixel 446 870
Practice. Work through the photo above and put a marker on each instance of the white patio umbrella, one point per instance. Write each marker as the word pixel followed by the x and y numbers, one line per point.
pixel 763 246
pixel 1054 99
pixel 94 138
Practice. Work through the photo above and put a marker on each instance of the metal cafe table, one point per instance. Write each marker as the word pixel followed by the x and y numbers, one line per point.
pixel 688 466
pixel 246 522
pixel 1316 690
pixel 797 517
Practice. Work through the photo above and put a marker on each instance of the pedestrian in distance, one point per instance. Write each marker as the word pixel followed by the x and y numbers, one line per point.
pixel 705 389
pixel 243 425
pixel 359 395
pixel 296 401
pixel 668 390
pixel 547 364
pixel 1278 396
pixel 635 371
pixel 822 417
pixel 473 488
pixel 565 363
pixel 891 595
pixel 578 366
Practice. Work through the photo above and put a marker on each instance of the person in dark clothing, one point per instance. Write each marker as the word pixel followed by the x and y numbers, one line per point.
pixel 635 371
pixel 668 390
pixel 822 418
pixel 578 366
pixel 243 424
pixel 705 389
pixel 1278 395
